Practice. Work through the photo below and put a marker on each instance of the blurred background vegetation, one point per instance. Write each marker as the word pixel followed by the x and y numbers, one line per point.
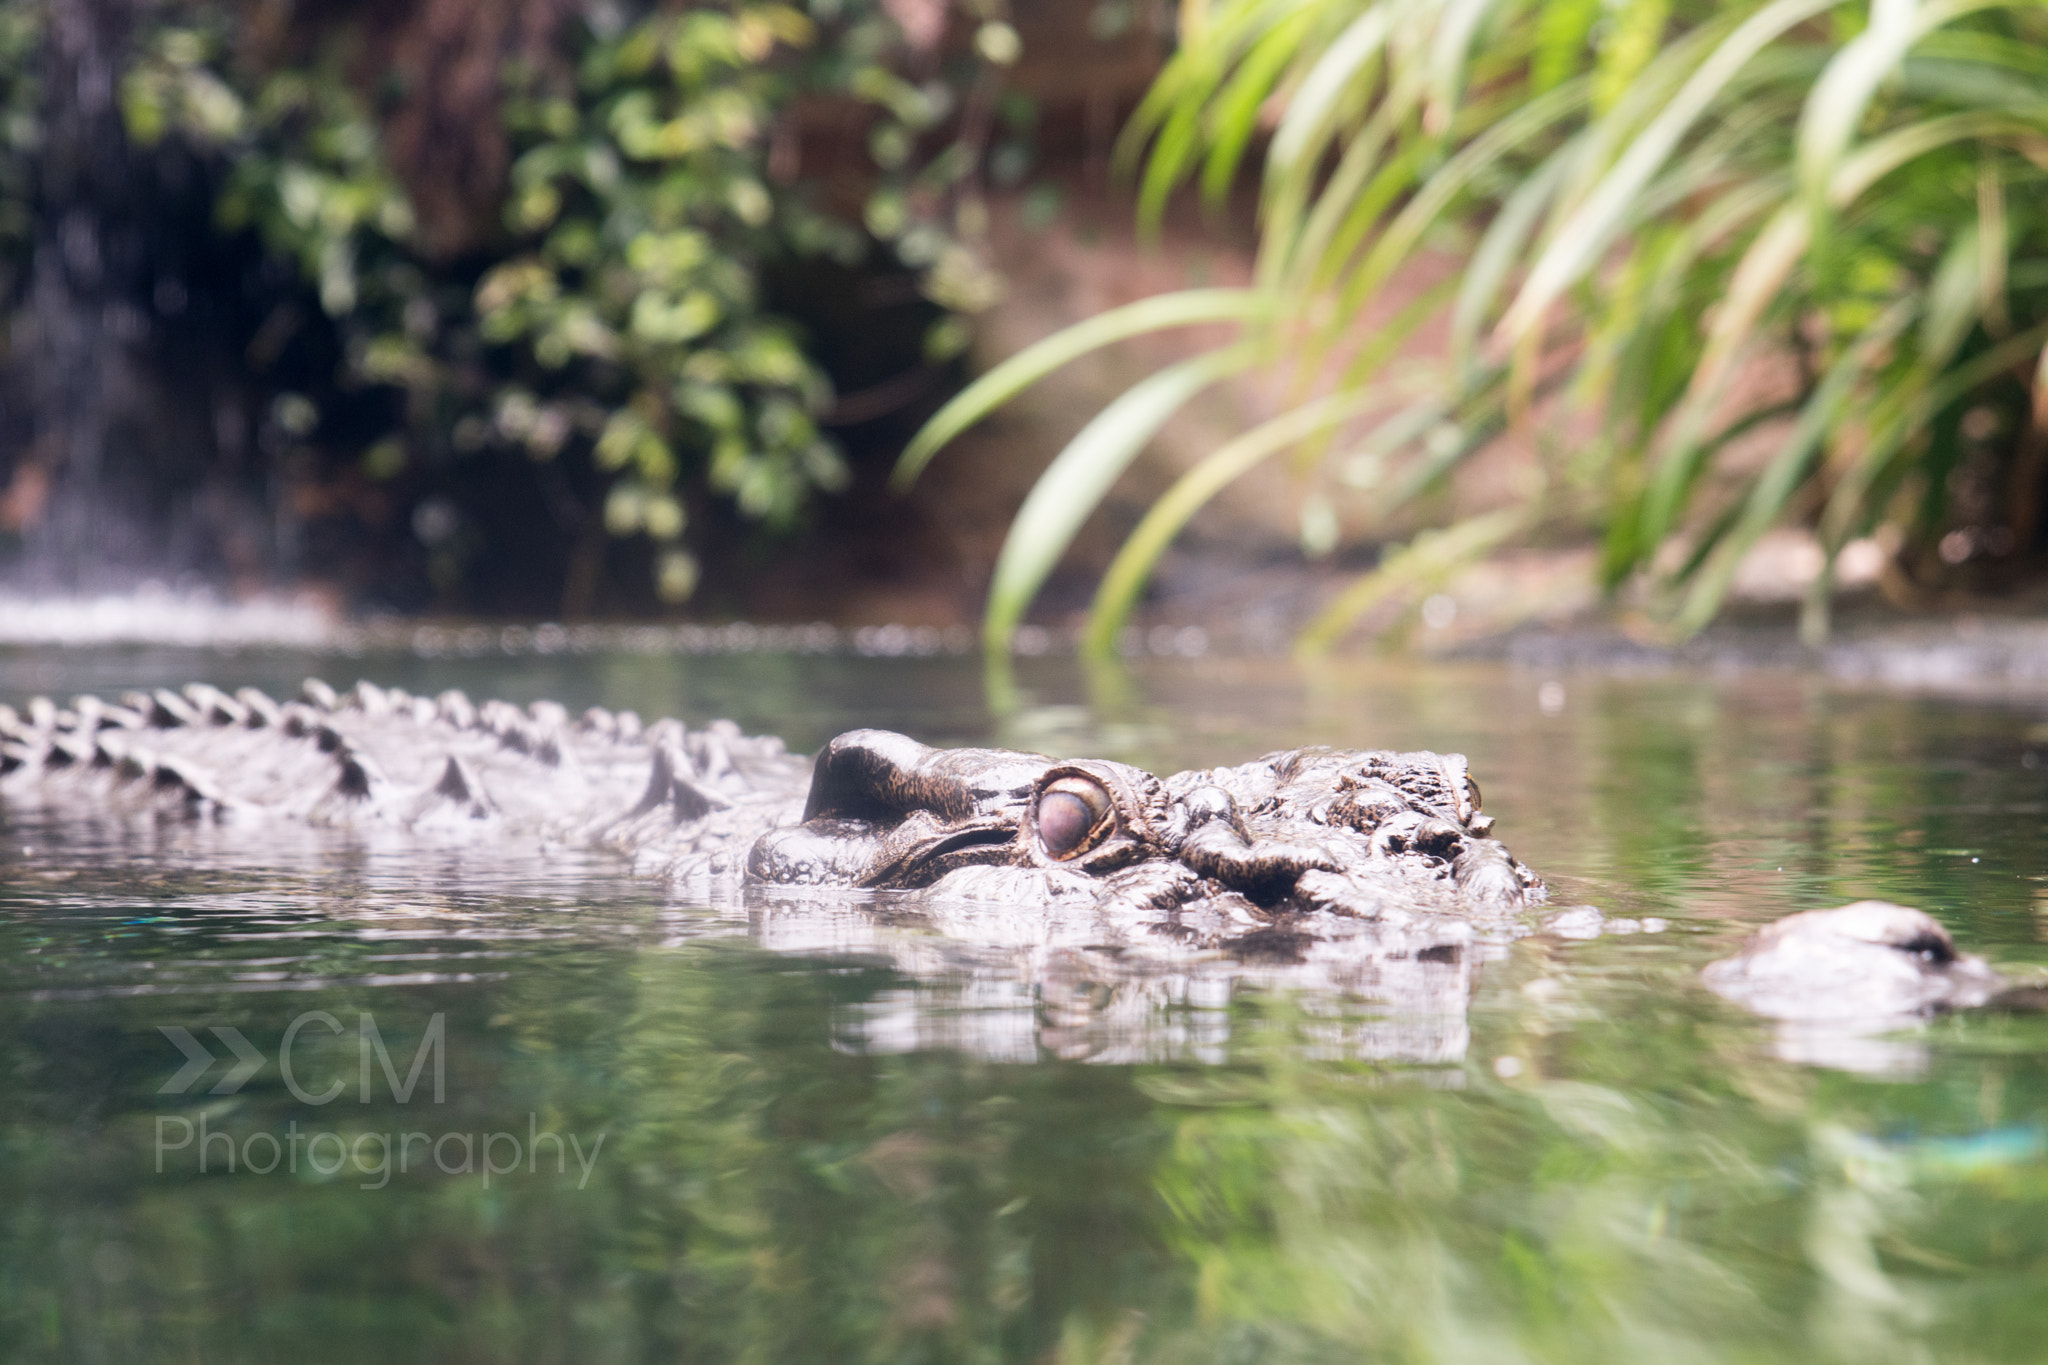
pixel 1718 267
pixel 478 303
pixel 590 307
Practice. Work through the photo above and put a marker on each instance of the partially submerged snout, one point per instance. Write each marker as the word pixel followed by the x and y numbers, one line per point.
pixel 1870 960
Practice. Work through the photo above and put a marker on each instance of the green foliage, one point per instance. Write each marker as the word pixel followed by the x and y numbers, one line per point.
pixel 1728 265
pixel 21 31
pixel 618 318
pixel 633 306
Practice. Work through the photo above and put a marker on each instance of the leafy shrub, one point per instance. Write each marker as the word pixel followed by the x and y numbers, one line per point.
pixel 1687 230
pixel 617 317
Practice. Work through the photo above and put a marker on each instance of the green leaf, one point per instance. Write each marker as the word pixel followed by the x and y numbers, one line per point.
pixel 1234 114
pixel 1164 520
pixel 1581 239
pixel 1774 487
pixel 1073 484
pixel 1839 98
pixel 1032 364
pixel 1431 558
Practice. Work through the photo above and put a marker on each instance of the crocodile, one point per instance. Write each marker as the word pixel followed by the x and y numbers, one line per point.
pixel 1358 861
pixel 1252 855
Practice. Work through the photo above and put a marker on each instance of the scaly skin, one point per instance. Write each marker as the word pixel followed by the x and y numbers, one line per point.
pixel 1294 836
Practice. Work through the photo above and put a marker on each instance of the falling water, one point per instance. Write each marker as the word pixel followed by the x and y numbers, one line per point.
pixel 123 432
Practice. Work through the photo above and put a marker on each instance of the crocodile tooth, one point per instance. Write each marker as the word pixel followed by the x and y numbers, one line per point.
pixel 123 718
pixel 91 712
pixel 666 733
pixel 168 710
pixel 10 721
pixel 628 723
pixel 262 711
pixel 180 774
pixel 299 720
pixel 457 782
pixel 214 705
pixel 712 750
pixel 360 778
pixel 496 716
pixel 549 715
pixel 669 783
pixel 367 698
pixel 456 708
pixel 598 721
pixel 693 802
pixel 66 719
pixel 107 751
pixel 319 694
pixel 661 779
pixel 551 749
pixel 459 786
pixel 42 713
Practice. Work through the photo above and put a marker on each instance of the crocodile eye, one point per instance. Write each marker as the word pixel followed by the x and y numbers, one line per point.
pixel 1472 790
pixel 1069 811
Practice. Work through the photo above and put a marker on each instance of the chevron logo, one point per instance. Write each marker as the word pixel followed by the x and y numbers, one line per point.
pixel 198 1061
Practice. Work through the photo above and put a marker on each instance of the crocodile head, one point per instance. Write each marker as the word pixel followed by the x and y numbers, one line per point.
pixel 1361 833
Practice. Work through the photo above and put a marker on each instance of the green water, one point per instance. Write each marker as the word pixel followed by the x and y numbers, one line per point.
pixel 789 1149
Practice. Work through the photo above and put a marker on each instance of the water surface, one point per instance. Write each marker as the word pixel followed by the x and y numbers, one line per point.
pixel 792 1144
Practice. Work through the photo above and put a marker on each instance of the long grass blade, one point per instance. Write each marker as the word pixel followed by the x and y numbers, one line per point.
pixel 1499 251
pixel 1484 154
pixel 1592 227
pixel 1035 362
pixel 1839 98
pixel 1432 557
pixel 1783 475
pixel 1164 520
pixel 1305 129
pixel 1074 483
pixel 1905 419
pixel 1234 113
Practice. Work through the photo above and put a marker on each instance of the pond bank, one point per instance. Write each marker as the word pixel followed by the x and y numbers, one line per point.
pixel 1991 653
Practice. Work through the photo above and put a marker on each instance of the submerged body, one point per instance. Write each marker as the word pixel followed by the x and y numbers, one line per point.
pixel 1306 834
pixel 1867 961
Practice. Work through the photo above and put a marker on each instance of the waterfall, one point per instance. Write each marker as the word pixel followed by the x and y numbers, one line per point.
pixel 126 432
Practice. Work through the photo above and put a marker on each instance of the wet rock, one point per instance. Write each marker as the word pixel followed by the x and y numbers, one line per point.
pixel 1871 960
